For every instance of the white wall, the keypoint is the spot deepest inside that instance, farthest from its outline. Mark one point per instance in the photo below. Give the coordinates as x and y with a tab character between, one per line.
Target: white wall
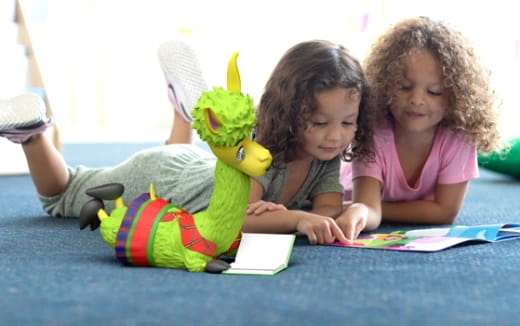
99	58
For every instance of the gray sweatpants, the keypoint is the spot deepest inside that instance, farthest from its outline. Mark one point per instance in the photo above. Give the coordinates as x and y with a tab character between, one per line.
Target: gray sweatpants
181	174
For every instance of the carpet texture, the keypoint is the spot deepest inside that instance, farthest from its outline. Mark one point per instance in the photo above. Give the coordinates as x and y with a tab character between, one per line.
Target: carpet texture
51	273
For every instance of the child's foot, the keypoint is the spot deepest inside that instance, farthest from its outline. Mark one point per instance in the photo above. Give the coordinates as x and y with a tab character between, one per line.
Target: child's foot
183	75
22	117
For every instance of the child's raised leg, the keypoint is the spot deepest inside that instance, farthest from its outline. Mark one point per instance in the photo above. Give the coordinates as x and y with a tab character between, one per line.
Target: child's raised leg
185	84
23	121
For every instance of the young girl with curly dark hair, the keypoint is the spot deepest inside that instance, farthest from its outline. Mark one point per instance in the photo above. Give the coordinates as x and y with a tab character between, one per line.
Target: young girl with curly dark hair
309	114
431	108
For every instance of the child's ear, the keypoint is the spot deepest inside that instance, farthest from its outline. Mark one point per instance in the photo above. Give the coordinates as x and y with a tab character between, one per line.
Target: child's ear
212	120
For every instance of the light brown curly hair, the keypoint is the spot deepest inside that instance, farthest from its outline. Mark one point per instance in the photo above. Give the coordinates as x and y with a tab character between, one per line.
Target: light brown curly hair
472	103
289	95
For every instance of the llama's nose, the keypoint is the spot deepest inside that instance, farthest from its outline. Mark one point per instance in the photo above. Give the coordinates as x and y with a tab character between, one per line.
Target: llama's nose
265	157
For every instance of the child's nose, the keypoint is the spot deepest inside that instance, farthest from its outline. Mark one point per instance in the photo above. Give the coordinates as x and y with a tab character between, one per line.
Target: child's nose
417	98
334	133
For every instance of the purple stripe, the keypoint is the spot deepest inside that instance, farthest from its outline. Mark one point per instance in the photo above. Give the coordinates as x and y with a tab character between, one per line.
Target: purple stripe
122	234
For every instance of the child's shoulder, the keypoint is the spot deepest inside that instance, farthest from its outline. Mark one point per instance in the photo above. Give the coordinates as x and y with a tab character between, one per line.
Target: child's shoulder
446	135
449	141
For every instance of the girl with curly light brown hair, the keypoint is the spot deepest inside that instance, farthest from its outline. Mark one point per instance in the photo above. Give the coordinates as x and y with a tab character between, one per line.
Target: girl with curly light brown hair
431	107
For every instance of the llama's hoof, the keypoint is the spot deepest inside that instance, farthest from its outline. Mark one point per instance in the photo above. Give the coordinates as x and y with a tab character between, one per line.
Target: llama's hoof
110	191
217	266
88	214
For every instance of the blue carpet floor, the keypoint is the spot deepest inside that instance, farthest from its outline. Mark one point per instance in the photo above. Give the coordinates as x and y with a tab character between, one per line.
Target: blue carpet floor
51	273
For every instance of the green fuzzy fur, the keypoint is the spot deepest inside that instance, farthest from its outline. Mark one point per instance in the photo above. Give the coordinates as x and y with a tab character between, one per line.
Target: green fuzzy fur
238	123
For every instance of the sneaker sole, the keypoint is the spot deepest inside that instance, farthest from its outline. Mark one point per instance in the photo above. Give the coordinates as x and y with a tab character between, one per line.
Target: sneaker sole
183	75
25	111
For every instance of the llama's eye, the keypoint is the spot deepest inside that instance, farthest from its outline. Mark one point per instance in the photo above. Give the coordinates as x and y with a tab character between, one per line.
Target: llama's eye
241	154
253	135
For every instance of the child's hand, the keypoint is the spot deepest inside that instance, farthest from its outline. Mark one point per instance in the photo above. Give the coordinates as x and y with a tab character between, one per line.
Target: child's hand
260	206
320	229
352	221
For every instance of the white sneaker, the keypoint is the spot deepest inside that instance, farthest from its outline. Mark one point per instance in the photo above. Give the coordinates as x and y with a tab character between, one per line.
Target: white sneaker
21	117
183	76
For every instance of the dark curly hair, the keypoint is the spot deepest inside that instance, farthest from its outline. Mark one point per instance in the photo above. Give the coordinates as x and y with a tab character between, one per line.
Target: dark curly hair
472	104
289	100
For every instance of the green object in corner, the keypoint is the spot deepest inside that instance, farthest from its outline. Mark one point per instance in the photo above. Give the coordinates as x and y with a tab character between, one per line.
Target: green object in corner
503	162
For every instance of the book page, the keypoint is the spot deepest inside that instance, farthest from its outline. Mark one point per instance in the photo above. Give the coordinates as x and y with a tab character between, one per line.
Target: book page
489	232
261	251
434	232
253	271
402	242
435	239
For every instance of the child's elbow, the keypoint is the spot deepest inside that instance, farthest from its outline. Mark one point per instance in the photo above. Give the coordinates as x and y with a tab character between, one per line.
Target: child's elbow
445	220
450	219
448	216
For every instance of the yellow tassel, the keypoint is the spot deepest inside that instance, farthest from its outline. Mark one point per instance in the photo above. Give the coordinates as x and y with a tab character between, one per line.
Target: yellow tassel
102	214
119	202
152	192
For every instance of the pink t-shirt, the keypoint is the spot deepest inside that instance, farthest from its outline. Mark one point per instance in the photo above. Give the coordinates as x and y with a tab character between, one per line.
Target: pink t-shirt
451	160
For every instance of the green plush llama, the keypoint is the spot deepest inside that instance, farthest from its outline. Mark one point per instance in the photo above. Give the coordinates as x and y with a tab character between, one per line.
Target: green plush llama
154	232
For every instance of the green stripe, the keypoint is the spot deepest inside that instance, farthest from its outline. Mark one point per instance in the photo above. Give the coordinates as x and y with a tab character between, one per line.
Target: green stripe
158	218
132	228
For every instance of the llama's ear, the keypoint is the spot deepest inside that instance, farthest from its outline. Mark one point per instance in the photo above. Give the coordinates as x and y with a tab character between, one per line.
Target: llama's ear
212	120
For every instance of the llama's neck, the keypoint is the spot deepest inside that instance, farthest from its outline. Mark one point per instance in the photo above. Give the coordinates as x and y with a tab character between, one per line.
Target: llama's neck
227	207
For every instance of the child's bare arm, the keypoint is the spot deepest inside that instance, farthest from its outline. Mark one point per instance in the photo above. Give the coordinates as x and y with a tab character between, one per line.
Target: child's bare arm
327	204
442	210
364	213
260	206
318	229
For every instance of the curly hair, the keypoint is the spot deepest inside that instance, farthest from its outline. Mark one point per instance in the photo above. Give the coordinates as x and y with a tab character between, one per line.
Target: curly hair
289	99
472	103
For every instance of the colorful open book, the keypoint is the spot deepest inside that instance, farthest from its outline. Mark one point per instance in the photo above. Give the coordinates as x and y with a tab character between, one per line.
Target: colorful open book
435	239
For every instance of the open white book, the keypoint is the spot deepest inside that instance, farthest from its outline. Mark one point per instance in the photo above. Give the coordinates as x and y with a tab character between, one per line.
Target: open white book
262	254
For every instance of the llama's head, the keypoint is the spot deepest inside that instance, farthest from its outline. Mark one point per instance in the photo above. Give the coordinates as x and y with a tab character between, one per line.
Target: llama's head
225	120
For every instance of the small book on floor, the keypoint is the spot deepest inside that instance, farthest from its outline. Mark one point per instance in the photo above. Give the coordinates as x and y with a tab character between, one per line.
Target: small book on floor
435	239
262	254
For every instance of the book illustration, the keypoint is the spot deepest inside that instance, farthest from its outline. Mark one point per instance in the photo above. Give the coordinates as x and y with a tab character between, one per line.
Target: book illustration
435	239
262	254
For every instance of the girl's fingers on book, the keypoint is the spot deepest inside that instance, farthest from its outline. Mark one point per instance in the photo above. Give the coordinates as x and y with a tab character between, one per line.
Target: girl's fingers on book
339	235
